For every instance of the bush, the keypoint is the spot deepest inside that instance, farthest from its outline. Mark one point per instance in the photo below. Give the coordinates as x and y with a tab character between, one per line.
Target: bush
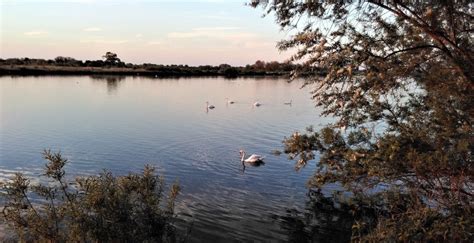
398	81
102	208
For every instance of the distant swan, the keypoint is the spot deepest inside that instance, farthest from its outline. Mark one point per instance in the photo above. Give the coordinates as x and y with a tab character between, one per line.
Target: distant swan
288	103
209	106
257	104
254	158
229	101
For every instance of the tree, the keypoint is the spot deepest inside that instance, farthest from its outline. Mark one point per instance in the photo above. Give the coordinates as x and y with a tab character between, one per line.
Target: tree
111	58
67	61
399	82
259	65
101	208
227	70
272	66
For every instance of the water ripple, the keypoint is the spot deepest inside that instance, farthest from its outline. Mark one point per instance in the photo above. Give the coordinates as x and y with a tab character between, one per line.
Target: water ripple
164	123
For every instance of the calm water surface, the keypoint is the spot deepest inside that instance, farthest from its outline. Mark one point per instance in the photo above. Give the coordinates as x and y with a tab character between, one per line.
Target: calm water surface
120	124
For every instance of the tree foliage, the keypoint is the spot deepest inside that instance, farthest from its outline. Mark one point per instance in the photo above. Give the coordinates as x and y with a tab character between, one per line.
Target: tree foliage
101	208
111	58
66	61
400	83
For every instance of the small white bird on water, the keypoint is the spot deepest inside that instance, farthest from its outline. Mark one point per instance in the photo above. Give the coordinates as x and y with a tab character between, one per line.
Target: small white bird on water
230	101
257	104
209	106
254	158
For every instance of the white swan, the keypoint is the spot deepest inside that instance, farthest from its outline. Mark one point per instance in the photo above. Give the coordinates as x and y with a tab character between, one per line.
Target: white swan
254	158
257	104
209	106
230	101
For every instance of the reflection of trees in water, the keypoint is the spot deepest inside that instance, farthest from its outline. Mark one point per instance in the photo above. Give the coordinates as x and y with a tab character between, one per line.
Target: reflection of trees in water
112	81
323	220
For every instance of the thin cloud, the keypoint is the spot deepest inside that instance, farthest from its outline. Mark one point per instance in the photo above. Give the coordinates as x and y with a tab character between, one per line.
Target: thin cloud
103	41
154	43
92	29
139	36
216	28
227	36
217	34
219	16
36	33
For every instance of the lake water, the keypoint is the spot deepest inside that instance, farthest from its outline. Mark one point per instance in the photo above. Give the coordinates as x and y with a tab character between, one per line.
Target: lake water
122	123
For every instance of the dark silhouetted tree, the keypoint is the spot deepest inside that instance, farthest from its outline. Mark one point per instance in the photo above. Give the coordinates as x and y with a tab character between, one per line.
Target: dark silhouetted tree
259	65
399	82
111	58
67	61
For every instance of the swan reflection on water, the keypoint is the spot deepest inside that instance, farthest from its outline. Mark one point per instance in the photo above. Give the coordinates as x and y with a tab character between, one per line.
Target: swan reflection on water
254	164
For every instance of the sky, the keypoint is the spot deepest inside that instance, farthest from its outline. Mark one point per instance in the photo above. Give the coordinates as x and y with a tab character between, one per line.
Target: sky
197	32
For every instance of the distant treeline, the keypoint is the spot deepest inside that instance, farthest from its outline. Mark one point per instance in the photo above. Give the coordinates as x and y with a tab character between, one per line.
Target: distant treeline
113	65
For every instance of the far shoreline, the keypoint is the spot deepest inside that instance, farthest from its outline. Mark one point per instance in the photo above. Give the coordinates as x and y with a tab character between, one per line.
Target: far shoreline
112	65
26	70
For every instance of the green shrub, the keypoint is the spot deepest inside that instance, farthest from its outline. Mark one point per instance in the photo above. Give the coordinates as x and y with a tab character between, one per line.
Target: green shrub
102	208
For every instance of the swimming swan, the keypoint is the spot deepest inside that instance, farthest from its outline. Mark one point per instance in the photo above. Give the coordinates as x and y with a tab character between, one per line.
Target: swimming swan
209	106
254	158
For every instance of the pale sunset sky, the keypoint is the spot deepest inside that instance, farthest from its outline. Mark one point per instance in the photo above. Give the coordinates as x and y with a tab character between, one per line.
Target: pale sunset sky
140	31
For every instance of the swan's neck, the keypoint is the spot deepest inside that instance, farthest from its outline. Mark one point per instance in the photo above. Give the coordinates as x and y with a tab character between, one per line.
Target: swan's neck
243	156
